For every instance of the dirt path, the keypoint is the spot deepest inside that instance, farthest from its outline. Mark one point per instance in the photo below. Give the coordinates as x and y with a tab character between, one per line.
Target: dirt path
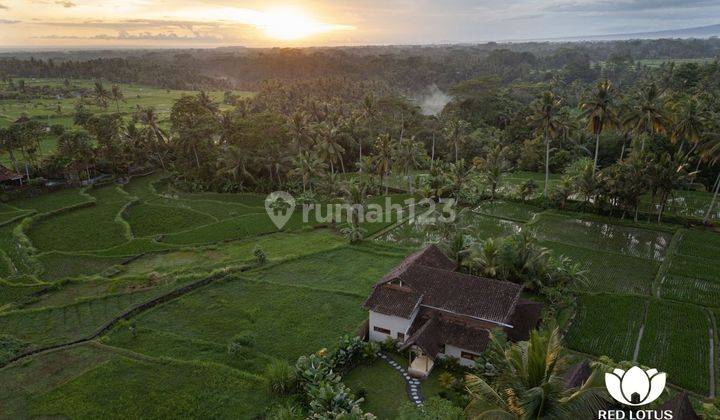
636	353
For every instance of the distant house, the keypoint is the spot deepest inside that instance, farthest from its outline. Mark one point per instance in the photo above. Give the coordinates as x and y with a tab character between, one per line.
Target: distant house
435	312
9	179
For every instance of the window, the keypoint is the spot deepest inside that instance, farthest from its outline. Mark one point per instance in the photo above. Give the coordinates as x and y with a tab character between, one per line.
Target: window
381	330
401	336
469	356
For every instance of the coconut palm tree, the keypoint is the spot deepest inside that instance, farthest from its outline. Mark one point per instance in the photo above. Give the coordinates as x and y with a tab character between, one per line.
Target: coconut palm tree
546	120
408	154
329	148
307	165
299	130
599	110
530	383
236	162
456	131
383	158
492	166
355	196
102	96
648	115
117	96
711	154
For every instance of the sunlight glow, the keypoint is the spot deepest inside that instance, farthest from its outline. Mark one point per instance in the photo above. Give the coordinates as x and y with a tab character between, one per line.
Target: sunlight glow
285	24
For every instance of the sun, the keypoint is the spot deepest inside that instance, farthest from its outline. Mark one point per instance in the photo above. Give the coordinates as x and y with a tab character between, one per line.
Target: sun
290	24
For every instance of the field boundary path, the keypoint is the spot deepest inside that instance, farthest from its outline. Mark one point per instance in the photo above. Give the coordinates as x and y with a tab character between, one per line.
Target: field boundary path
412	385
134	311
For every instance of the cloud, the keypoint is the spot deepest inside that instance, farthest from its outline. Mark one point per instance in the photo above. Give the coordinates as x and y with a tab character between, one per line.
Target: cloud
8	22
66	4
144	36
615	6
3	7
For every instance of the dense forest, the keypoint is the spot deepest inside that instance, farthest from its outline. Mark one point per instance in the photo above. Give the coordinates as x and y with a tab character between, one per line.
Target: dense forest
406	68
618	129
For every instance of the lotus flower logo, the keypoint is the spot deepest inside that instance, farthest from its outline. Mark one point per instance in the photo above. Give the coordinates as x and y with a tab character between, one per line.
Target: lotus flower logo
636	386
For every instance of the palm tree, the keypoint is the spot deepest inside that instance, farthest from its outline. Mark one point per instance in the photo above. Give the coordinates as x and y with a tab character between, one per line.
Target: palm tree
530	383
408	154
599	110
299	130
648	115
711	154
102	96
546	120
308	165
353	128
117	96
329	147
456	131
236	162
492	167
8	144
355	196
383	158
158	140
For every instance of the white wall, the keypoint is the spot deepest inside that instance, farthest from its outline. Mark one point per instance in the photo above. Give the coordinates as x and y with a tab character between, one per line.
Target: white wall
393	323
452	351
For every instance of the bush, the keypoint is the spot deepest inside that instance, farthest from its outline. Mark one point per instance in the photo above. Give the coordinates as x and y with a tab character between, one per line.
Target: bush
260	255
280	378
370	351
389	345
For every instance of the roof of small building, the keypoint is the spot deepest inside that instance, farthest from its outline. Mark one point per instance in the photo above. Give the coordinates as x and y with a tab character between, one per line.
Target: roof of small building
578	374
426	279
8	175
431	331
681	407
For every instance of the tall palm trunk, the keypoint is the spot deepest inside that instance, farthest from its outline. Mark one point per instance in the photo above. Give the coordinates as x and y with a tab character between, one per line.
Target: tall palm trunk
597	151
432	153
714	200
360	160
547	162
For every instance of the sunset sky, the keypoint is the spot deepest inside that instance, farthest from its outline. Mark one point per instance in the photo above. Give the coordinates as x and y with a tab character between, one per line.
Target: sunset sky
203	23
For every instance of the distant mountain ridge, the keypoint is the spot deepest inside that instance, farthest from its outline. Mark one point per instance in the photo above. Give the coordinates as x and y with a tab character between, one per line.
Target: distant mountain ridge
696	32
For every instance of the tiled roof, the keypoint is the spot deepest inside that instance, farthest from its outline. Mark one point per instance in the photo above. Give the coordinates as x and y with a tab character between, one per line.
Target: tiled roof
681	407
525	318
431	330
430	256
427	279
578	374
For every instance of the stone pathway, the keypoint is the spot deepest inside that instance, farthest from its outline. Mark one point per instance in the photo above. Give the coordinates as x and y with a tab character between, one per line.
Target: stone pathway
412	385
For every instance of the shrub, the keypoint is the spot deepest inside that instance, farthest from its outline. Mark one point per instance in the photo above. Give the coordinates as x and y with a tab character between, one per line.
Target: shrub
370	351
280	378
389	345
260	256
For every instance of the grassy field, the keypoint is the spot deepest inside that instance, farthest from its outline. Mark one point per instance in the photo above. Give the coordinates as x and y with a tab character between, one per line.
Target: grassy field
61	111
66	273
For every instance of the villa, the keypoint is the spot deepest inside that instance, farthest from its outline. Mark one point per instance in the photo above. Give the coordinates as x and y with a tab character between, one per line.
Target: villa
434	311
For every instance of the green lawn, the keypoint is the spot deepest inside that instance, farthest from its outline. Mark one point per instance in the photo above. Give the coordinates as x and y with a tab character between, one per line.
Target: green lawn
383	386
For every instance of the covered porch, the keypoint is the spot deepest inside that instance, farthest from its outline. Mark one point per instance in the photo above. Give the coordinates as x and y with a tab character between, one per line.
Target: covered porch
421	364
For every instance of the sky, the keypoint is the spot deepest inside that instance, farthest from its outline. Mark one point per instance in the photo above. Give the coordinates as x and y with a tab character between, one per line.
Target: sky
205	23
